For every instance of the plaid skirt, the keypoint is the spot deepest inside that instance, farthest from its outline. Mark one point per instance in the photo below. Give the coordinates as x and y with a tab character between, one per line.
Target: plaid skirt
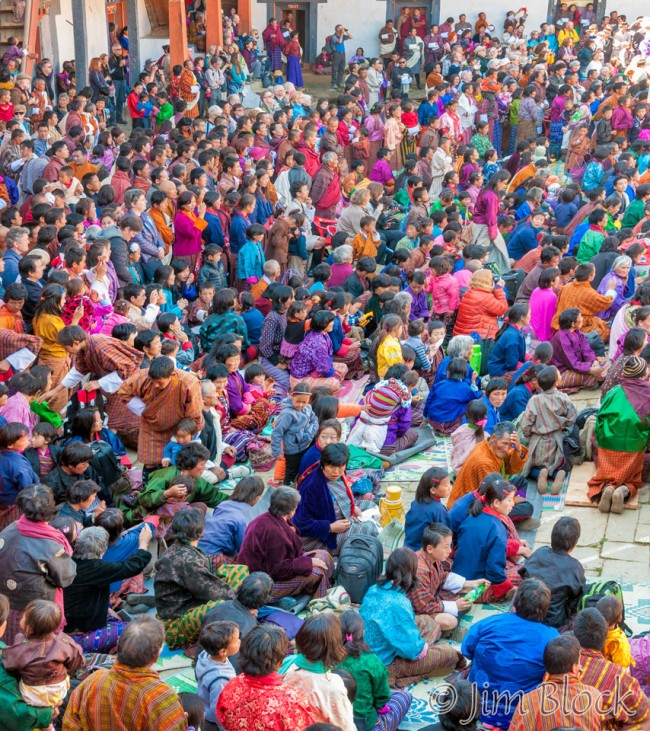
333	382
616	468
8	514
512	575
185	630
100	640
397	708
256	419
573	379
446	427
60	368
440	659
317	583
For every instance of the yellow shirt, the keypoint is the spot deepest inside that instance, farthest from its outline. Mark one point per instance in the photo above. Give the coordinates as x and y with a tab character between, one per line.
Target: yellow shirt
617	648
47	327
388	353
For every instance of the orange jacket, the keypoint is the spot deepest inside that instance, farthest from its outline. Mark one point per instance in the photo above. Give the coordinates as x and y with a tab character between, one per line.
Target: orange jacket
478	312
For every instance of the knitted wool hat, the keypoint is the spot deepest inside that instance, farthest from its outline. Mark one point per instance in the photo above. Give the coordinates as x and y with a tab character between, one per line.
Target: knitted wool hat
385	399
634	367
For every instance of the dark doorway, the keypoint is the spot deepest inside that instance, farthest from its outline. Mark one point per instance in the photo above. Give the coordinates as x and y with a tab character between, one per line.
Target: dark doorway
298	13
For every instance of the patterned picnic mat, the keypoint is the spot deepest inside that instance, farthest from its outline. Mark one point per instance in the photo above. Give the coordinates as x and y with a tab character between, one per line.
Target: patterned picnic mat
438	455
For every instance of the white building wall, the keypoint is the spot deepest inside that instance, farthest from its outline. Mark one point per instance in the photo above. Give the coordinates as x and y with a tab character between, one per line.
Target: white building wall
97	41
258	16
61	28
363	18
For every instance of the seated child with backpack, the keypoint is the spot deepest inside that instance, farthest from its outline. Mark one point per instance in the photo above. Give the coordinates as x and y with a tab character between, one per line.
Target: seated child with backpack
563	574
549	417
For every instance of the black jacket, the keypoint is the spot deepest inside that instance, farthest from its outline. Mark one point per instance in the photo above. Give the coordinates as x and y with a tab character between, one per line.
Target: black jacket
564	576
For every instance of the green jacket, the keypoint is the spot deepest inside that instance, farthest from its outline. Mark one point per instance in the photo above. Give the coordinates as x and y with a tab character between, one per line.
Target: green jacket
589	245
152	497
618	427
373	691
634	213
16	714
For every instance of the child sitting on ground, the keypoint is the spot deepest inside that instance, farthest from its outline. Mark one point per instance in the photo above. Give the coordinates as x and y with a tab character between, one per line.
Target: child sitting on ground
186	431
386	350
371	428
617	646
563	574
15	470
444	290
495	394
426	507
548	419
218	641
468	434
200	308
43	656
260	384
436	579
78	498
447	402
367	241
373	693
294	333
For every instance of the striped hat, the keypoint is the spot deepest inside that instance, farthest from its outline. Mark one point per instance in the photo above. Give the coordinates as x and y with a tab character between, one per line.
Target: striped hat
386	398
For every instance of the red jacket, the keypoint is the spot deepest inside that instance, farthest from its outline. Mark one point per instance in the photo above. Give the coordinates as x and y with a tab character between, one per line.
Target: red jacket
132	102
478	312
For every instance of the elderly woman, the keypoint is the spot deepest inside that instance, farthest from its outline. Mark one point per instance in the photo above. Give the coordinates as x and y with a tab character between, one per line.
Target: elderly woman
350	219
573	355
35	558
622	435
257	699
406	644
481	306
185	586
616	281
507	651
271	544
87	598
342	268
328	513
460	346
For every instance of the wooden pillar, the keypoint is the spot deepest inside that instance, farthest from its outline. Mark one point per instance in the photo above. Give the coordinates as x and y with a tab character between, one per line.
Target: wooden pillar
245	16
30	39
213	24
178	50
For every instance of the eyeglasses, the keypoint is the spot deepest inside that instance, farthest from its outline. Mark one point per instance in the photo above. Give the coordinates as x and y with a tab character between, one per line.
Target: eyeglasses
19	114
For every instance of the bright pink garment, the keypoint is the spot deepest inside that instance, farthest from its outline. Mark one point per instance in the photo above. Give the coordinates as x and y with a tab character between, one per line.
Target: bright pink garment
543	303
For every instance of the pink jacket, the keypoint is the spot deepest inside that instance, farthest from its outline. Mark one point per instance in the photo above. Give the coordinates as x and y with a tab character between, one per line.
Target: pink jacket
445	293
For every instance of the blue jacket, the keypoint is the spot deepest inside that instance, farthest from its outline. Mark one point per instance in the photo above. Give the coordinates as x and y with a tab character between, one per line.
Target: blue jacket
238	228
441	372
425	112
10	274
481	549
448	400
564	212
522	240
508	352
225	528
389	622
459	510
593	176
493	415
123	547
16	473
507	654
213	233
315	512
580	231
515	403
254	320
250	260
419	516
337	335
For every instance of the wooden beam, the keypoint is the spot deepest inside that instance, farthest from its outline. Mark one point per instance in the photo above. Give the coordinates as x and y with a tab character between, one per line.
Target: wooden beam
178	49
213	24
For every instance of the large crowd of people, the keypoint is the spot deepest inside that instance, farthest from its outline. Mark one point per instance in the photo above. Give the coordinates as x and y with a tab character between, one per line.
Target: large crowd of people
209	269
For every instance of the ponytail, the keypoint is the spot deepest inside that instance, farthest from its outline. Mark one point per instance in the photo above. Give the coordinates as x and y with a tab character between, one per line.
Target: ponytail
498	490
514	315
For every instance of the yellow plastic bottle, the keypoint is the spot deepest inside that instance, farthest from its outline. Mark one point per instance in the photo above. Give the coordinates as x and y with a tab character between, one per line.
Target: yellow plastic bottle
391	506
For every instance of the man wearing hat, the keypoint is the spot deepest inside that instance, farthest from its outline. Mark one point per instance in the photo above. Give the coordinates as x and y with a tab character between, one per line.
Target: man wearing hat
622	433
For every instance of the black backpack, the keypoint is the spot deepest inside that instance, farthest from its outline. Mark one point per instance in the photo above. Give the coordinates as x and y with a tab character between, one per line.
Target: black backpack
360	564
599	589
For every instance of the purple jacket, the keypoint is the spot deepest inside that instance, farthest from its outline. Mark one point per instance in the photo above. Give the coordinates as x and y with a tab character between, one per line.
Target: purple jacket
381	172
314	354
419	307
622	293
236	389
571	351
486	211
399	424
